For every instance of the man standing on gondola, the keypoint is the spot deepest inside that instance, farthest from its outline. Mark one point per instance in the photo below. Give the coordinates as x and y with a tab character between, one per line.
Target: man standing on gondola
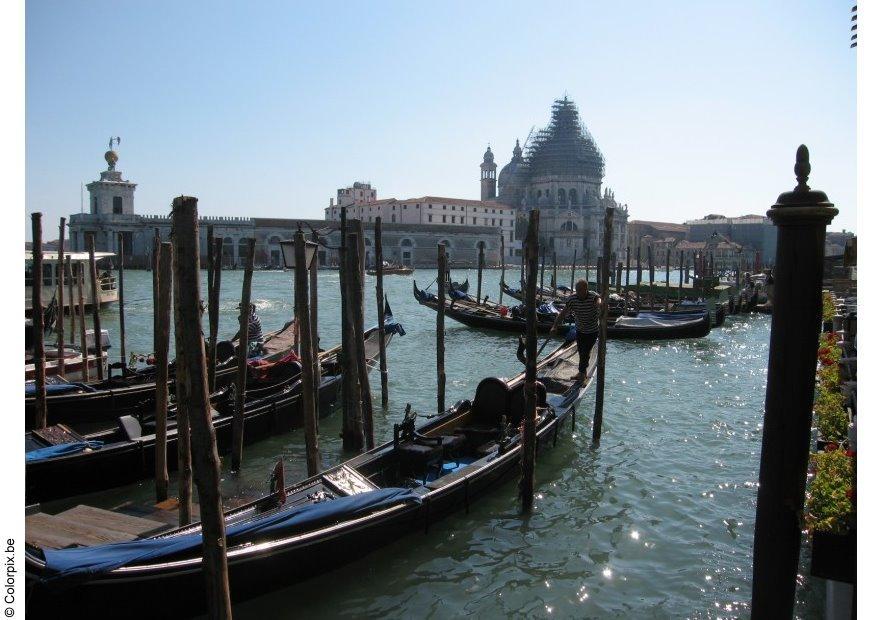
584	305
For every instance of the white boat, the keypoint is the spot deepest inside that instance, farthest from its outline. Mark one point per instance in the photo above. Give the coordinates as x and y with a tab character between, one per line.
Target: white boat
73	366
108	292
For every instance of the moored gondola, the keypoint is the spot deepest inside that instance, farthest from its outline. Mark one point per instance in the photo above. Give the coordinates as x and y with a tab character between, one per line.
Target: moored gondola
126	453
328	520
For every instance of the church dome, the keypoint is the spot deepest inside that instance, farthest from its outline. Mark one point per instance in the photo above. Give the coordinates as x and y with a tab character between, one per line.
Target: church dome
488	156
513	178
565	147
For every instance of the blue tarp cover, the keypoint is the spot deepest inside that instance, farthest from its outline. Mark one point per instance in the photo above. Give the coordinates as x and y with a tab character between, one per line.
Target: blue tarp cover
454	294
85	562
62	449
57	388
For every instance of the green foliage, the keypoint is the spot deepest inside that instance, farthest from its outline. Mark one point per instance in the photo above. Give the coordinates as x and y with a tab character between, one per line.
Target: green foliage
830	416
828	378
829	309
830	503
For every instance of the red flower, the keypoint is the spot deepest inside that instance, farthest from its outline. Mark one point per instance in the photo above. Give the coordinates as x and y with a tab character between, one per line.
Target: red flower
832	446
851	494
827	361
850	453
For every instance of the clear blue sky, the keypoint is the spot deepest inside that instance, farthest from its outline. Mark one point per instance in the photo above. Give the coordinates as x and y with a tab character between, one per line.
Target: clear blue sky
264	109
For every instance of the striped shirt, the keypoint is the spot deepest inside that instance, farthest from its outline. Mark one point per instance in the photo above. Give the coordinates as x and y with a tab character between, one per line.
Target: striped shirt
255	334
585	311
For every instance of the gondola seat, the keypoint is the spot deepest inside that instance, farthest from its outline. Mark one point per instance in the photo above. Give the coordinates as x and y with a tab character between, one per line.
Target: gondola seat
518	401
491	403
130	428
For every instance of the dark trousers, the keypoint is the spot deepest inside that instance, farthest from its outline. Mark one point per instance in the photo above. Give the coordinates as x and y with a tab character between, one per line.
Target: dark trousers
584	346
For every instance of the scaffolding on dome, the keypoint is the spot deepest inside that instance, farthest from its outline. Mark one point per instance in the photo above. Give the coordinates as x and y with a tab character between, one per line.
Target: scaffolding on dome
565	146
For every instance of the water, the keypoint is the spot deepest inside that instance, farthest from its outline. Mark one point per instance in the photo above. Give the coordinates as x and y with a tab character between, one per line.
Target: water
656	523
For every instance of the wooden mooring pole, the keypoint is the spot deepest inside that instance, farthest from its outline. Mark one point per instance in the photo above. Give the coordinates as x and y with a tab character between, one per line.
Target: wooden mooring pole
680	278
573	268
555	282
381	313
95	305
183	425
121	298
353	438
638	276
442	294
211	341
205	458
586	260
242	355
313	272
529	439
352	358
501	286
59	325
801	217
603	333
39	351
543	263
667	276
156	251
71	300
80	296
480	259
618	280
628	265
355	303
309	363
165	282
213	307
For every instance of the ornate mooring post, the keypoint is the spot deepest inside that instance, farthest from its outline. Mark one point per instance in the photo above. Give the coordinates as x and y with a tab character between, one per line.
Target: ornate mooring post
801	217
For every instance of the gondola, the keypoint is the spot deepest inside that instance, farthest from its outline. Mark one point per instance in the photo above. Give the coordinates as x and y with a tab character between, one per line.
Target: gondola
347	511
126	453
96	403
546	294
667	326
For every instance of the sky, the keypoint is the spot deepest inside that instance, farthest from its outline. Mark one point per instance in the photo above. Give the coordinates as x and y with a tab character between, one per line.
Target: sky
265	109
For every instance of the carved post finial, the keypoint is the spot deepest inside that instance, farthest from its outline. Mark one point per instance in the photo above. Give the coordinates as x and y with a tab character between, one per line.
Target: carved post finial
802	168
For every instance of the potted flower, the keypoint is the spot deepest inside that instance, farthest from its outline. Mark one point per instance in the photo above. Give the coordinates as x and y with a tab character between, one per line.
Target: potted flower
830	418
831	515
829	311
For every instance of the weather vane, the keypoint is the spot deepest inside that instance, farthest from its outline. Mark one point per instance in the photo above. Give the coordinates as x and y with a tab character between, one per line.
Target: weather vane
115	139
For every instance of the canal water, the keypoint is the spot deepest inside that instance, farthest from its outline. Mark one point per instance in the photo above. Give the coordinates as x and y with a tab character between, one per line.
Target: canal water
656	523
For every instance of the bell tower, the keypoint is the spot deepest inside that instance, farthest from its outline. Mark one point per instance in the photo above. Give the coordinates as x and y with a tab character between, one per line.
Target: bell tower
487	175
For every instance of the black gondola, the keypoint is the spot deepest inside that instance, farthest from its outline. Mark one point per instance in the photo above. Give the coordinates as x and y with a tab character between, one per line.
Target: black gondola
490	316
328	520
126	453
134	394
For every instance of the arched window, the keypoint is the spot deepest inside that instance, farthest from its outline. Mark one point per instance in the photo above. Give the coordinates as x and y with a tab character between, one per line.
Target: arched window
228	247
481	244
572	196
568	226
446	243
539	193
561	196
242	249
406	243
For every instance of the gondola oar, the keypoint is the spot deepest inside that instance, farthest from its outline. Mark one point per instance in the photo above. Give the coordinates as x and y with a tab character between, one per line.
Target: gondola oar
521	347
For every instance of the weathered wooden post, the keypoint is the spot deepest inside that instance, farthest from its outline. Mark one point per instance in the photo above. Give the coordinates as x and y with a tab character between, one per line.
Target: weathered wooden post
95	305
628	265
618	280
242	355
442	294
667	276
156	252
586	259
352	357
36	301
680	278
603	333
543	262
165	282
801	217
196	399
59	326
358	343
638	276
479	271
555	282
314	325
501	286
381	313
308	361
80	280
529	440
213	307
573	267
353	439
183	425
211	346
121	297
71	300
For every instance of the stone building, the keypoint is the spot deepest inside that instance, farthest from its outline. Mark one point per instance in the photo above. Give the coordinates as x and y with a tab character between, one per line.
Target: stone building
639	231
751	231
360	200
112	213
560	171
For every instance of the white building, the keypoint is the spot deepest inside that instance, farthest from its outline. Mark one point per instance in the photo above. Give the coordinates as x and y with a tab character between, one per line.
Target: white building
361	202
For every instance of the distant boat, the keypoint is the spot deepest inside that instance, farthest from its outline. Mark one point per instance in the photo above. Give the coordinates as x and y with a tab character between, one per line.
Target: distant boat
107	294
392	270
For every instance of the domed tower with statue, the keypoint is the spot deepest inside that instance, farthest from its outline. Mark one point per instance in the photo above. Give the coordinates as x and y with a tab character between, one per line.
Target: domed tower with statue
560	170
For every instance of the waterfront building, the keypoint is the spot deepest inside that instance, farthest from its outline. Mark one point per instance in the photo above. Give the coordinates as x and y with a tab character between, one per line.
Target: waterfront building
360	200
638	230
751	231
111	212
